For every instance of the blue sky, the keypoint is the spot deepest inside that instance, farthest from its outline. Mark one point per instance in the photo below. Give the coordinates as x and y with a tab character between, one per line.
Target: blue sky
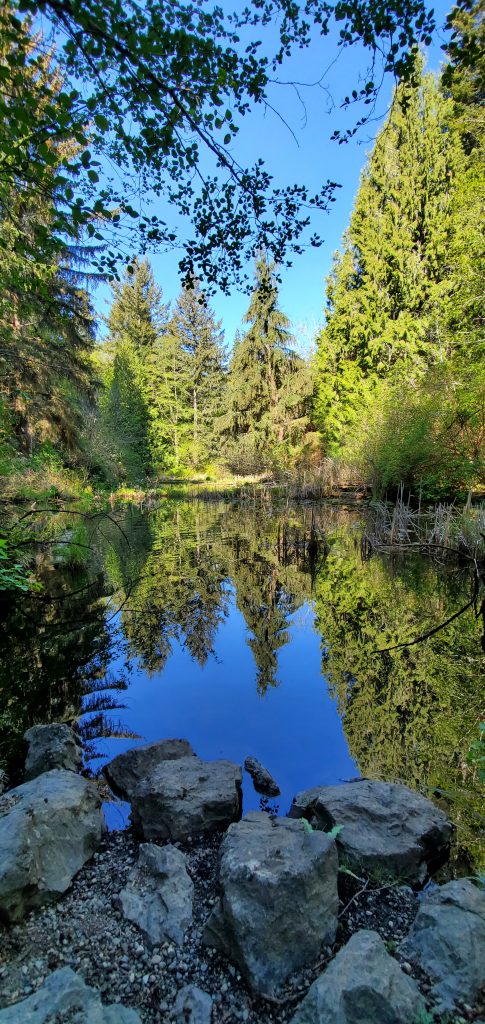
308	155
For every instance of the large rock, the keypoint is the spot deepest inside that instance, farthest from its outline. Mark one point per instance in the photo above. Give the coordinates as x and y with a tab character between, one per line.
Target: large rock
187	797
52	746
159	893
387	830
279	898
362	985
192	1006
49	827
447	941
125	772
263	781
63	997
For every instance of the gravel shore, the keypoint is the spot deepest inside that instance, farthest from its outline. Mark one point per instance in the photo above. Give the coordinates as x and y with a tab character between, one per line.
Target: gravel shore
86	932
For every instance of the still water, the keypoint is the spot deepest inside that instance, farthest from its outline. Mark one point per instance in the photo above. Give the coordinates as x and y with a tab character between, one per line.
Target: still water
213	621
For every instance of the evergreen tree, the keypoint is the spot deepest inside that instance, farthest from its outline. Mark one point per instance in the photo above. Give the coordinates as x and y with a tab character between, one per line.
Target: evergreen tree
269	388
185	379
138	312
388	282
137	318
46	321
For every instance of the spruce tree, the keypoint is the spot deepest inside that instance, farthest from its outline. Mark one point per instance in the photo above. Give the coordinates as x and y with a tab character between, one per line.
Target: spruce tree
185	378
387	283
269	388
137	318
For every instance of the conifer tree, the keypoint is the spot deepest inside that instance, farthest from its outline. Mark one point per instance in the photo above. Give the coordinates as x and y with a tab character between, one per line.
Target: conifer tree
185	379
387	283
268	390
137	318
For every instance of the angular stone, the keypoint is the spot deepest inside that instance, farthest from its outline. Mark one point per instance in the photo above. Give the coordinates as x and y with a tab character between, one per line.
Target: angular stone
192	1006
159	893
49	828
279	898
447	941
362	985
263	781
187	797
64	996
126	771
387	829
52	746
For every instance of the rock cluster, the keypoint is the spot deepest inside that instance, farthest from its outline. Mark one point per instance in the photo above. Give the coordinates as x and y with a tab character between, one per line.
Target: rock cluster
261	923
385	829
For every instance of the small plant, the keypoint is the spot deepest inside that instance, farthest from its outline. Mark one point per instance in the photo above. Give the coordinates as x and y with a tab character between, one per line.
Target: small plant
476	753
13	575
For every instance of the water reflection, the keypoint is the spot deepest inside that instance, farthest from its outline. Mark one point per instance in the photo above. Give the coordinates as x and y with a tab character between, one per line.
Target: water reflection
228	625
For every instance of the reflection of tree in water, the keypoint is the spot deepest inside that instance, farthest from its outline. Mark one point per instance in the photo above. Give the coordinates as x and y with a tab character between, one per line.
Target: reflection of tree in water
54	656
179	593
409	714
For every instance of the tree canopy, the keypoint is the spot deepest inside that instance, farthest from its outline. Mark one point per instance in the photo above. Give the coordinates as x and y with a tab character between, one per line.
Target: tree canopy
153	96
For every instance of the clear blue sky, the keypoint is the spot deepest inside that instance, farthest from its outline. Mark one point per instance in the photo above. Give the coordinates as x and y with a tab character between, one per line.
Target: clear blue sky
311	158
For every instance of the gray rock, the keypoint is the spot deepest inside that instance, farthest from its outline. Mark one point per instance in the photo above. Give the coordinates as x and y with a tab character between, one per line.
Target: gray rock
159	893
362	985
187	797
388	830
125	772
192	1006
49	827
263	781
279	898
52	746
447	941
64	996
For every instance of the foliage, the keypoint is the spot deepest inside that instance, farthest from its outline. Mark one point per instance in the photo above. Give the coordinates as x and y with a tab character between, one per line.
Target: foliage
400	385
476	753
270	387
185	378
13	575
164	89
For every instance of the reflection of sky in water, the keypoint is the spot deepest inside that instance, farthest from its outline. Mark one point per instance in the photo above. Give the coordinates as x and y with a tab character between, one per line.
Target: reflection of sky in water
294	729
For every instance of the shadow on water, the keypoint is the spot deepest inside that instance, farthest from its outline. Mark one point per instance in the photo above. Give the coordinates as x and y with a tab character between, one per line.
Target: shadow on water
255	631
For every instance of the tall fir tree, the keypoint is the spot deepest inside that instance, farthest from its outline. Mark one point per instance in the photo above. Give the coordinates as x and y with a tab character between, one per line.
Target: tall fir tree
269	385
137	319
186	372
388	281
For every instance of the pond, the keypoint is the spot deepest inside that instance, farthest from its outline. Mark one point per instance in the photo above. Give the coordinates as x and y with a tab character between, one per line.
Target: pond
221	623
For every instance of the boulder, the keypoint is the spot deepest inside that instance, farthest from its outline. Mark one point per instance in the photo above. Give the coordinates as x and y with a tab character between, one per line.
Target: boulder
158	895
49	828
387	829
263	781
125	772
362	985
279	898
187	797
52	746
447	941
64	996
192	1006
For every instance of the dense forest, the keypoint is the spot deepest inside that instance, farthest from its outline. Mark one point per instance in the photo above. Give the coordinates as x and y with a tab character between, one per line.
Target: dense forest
394	391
